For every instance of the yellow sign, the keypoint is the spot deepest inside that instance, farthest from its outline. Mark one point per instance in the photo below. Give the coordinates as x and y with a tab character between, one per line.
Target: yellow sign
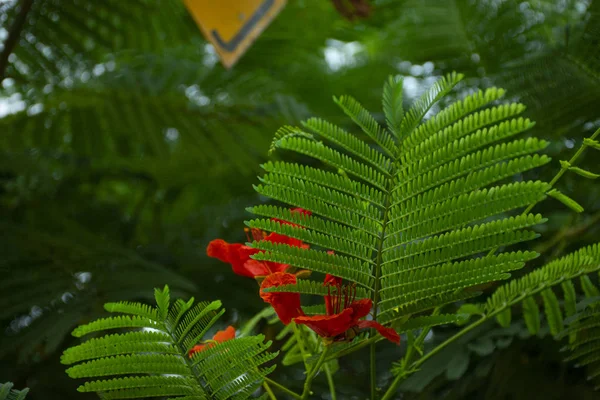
232	25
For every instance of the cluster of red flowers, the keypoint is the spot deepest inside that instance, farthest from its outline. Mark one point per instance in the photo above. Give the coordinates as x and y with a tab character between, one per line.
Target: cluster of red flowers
343	311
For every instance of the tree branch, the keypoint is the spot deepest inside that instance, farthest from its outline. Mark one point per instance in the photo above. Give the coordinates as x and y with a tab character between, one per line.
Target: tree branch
13	35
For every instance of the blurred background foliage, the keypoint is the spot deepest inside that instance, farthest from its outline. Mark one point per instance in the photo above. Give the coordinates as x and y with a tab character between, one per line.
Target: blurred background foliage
125	147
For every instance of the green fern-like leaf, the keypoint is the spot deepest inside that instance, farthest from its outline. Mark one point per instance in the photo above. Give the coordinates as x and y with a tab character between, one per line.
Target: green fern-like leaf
584	339
154	361
47	265
409	210
311	287
392	104
531	315
418	110
541	281
553	312
8	393
432	320
589	289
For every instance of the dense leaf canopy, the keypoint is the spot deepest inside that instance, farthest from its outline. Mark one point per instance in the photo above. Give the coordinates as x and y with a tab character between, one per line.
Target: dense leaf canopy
125	147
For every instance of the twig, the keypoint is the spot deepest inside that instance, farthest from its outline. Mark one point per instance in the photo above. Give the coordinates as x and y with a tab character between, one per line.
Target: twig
282	388
269	391
313	372
564	168
13	35
560	173
330	381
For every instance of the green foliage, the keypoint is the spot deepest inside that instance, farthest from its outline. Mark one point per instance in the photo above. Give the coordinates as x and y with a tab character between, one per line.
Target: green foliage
583	348
567	166
579	171
457	358
68	275
480	39
154	360
536	292
431	321
8	393
117	81
566	200
115	126
540	281
592	143
408	217
417	111
392	104
66	29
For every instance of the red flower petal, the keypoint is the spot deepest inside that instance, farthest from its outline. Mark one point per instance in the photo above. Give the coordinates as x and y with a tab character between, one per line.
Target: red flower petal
328	325
237	255
197	348
331	280
225	335
254	268
286	305
293	210
276	267
219	337
387	333
301	211
361	308
277	238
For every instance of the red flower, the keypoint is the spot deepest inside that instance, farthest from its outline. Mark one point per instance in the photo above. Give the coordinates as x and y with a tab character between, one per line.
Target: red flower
219	337
238	255
331	280
294	210
286	305
343	314
282	239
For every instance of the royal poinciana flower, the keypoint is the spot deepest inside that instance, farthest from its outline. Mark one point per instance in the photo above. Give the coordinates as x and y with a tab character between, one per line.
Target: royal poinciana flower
286	305
238	255
219	337
294	210
343	313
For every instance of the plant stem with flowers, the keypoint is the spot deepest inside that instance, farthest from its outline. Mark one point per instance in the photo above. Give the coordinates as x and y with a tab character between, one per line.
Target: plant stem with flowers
344	312
400	239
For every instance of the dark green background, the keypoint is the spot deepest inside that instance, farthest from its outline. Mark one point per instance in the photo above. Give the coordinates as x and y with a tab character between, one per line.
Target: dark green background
128	148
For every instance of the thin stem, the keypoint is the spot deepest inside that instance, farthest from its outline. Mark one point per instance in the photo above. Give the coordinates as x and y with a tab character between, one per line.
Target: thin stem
560	173
330	382
377	267
359	346
13	35
300	340
421	338
283	388
396	382
373	363
564	169
269	391
313	372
